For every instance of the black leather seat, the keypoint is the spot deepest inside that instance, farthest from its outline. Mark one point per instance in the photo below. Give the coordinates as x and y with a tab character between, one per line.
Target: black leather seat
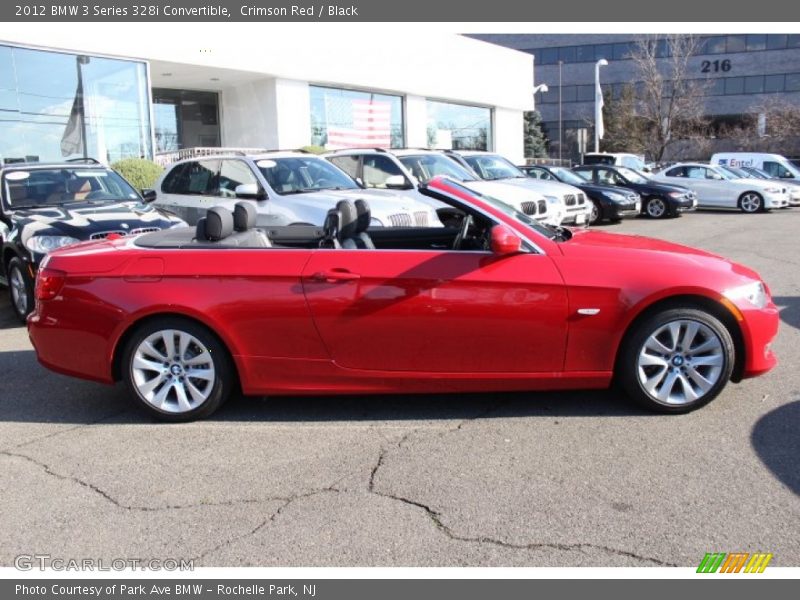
330	230
348	226
363	219
215	226
244	223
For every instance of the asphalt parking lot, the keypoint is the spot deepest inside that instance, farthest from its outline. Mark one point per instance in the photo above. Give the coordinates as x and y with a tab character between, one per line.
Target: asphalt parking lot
545	479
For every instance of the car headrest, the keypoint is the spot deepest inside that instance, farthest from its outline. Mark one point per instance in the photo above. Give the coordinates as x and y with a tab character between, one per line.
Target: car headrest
219	223
244	216
363	215
330	227
200	230
348	224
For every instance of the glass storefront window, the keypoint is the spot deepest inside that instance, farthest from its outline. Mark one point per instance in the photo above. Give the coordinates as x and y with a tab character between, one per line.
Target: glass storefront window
56	106
351	119
458	126
185	119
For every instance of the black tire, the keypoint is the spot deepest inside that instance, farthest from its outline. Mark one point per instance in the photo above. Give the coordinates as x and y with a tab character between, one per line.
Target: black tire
217	391
20	288
596	216
751	202
629	372
656	207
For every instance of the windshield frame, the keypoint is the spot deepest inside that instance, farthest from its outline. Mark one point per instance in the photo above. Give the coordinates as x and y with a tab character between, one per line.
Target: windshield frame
118	180
347	182
625	172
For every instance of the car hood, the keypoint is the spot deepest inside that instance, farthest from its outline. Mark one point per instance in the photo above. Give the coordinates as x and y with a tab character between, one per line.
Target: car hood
599	188
658	254
549	188
381	202
81	220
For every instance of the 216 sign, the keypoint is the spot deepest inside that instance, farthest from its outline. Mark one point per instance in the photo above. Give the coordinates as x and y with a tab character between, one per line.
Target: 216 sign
715	66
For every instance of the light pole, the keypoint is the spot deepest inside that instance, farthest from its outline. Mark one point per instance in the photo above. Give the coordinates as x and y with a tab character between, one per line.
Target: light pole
598	104
542	87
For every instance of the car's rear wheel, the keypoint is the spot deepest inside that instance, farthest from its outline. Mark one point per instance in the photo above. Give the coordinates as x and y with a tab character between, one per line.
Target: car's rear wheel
177	370
656	208
676	360
751	202
20	288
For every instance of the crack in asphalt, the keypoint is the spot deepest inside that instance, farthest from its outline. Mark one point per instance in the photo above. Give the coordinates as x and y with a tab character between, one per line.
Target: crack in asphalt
67	430
436	517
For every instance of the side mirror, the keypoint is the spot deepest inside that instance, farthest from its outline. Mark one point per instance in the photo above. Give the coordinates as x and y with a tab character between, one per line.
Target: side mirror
149	195
397	182
250	191
505	241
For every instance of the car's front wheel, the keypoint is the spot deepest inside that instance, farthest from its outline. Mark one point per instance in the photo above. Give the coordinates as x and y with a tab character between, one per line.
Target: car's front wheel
20	288
177	370
676	360
656	208
751	202
596	215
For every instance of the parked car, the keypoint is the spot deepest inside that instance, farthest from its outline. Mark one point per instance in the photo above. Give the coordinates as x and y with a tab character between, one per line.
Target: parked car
408	170
287	187
617	159
659	200
568	199
501	302
44	206
774	165
608	202
792	188
717	188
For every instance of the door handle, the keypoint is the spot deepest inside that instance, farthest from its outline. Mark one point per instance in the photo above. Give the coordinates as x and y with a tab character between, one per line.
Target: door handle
335	276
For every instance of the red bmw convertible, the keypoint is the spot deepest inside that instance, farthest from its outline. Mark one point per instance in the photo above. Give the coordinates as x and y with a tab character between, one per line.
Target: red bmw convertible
493	301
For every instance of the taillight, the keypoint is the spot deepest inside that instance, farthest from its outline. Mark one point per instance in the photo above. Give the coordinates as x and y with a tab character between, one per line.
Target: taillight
49	283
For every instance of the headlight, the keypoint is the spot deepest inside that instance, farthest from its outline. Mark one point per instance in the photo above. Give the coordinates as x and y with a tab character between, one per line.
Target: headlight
373	222
772	190
677	194
47	243
615	197
755	293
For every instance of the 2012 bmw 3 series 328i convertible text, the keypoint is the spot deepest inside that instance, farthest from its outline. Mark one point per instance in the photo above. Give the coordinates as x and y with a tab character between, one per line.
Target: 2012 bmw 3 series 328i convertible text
494	301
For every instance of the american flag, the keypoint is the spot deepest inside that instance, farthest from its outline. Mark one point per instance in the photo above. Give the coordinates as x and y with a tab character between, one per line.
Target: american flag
357	123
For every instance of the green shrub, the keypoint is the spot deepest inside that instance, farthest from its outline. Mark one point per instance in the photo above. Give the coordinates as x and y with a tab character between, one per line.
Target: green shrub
140	173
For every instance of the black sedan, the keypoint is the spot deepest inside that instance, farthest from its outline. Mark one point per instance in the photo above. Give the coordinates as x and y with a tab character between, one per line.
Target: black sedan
659	200
608	202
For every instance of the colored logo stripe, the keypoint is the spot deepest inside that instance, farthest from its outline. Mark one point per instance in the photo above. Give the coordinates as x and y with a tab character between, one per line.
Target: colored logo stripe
733	563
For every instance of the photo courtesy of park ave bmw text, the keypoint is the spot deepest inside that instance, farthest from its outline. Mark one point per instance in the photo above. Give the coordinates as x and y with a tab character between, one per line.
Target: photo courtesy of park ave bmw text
309	300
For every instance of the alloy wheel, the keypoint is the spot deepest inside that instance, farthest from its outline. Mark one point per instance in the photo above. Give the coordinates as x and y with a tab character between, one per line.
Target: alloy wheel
750	203
19	291
595	214
680	362
173	371
656	208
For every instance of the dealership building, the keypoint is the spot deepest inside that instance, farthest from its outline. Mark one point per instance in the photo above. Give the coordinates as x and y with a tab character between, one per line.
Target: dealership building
100	90
743	72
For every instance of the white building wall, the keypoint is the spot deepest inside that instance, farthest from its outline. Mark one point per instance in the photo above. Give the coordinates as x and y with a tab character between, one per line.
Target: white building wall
508	124
416	122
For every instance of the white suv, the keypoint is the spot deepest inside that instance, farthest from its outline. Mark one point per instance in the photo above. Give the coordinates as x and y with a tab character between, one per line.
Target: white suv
405	170
288	188
562	198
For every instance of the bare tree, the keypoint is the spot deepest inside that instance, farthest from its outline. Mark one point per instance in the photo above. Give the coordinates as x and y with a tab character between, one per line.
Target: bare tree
669	102
771	125
624	131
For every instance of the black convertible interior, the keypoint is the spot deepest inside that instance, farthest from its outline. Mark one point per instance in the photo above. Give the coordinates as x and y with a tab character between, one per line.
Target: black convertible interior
345	227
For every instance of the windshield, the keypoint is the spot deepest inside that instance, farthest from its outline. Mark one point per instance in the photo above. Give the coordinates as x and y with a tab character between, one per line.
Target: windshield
38	187
567	176
756	173
426	166
491	167
303	174
733	172
632	176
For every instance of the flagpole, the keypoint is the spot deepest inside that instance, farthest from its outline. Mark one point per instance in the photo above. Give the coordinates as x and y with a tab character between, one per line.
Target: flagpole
80	61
